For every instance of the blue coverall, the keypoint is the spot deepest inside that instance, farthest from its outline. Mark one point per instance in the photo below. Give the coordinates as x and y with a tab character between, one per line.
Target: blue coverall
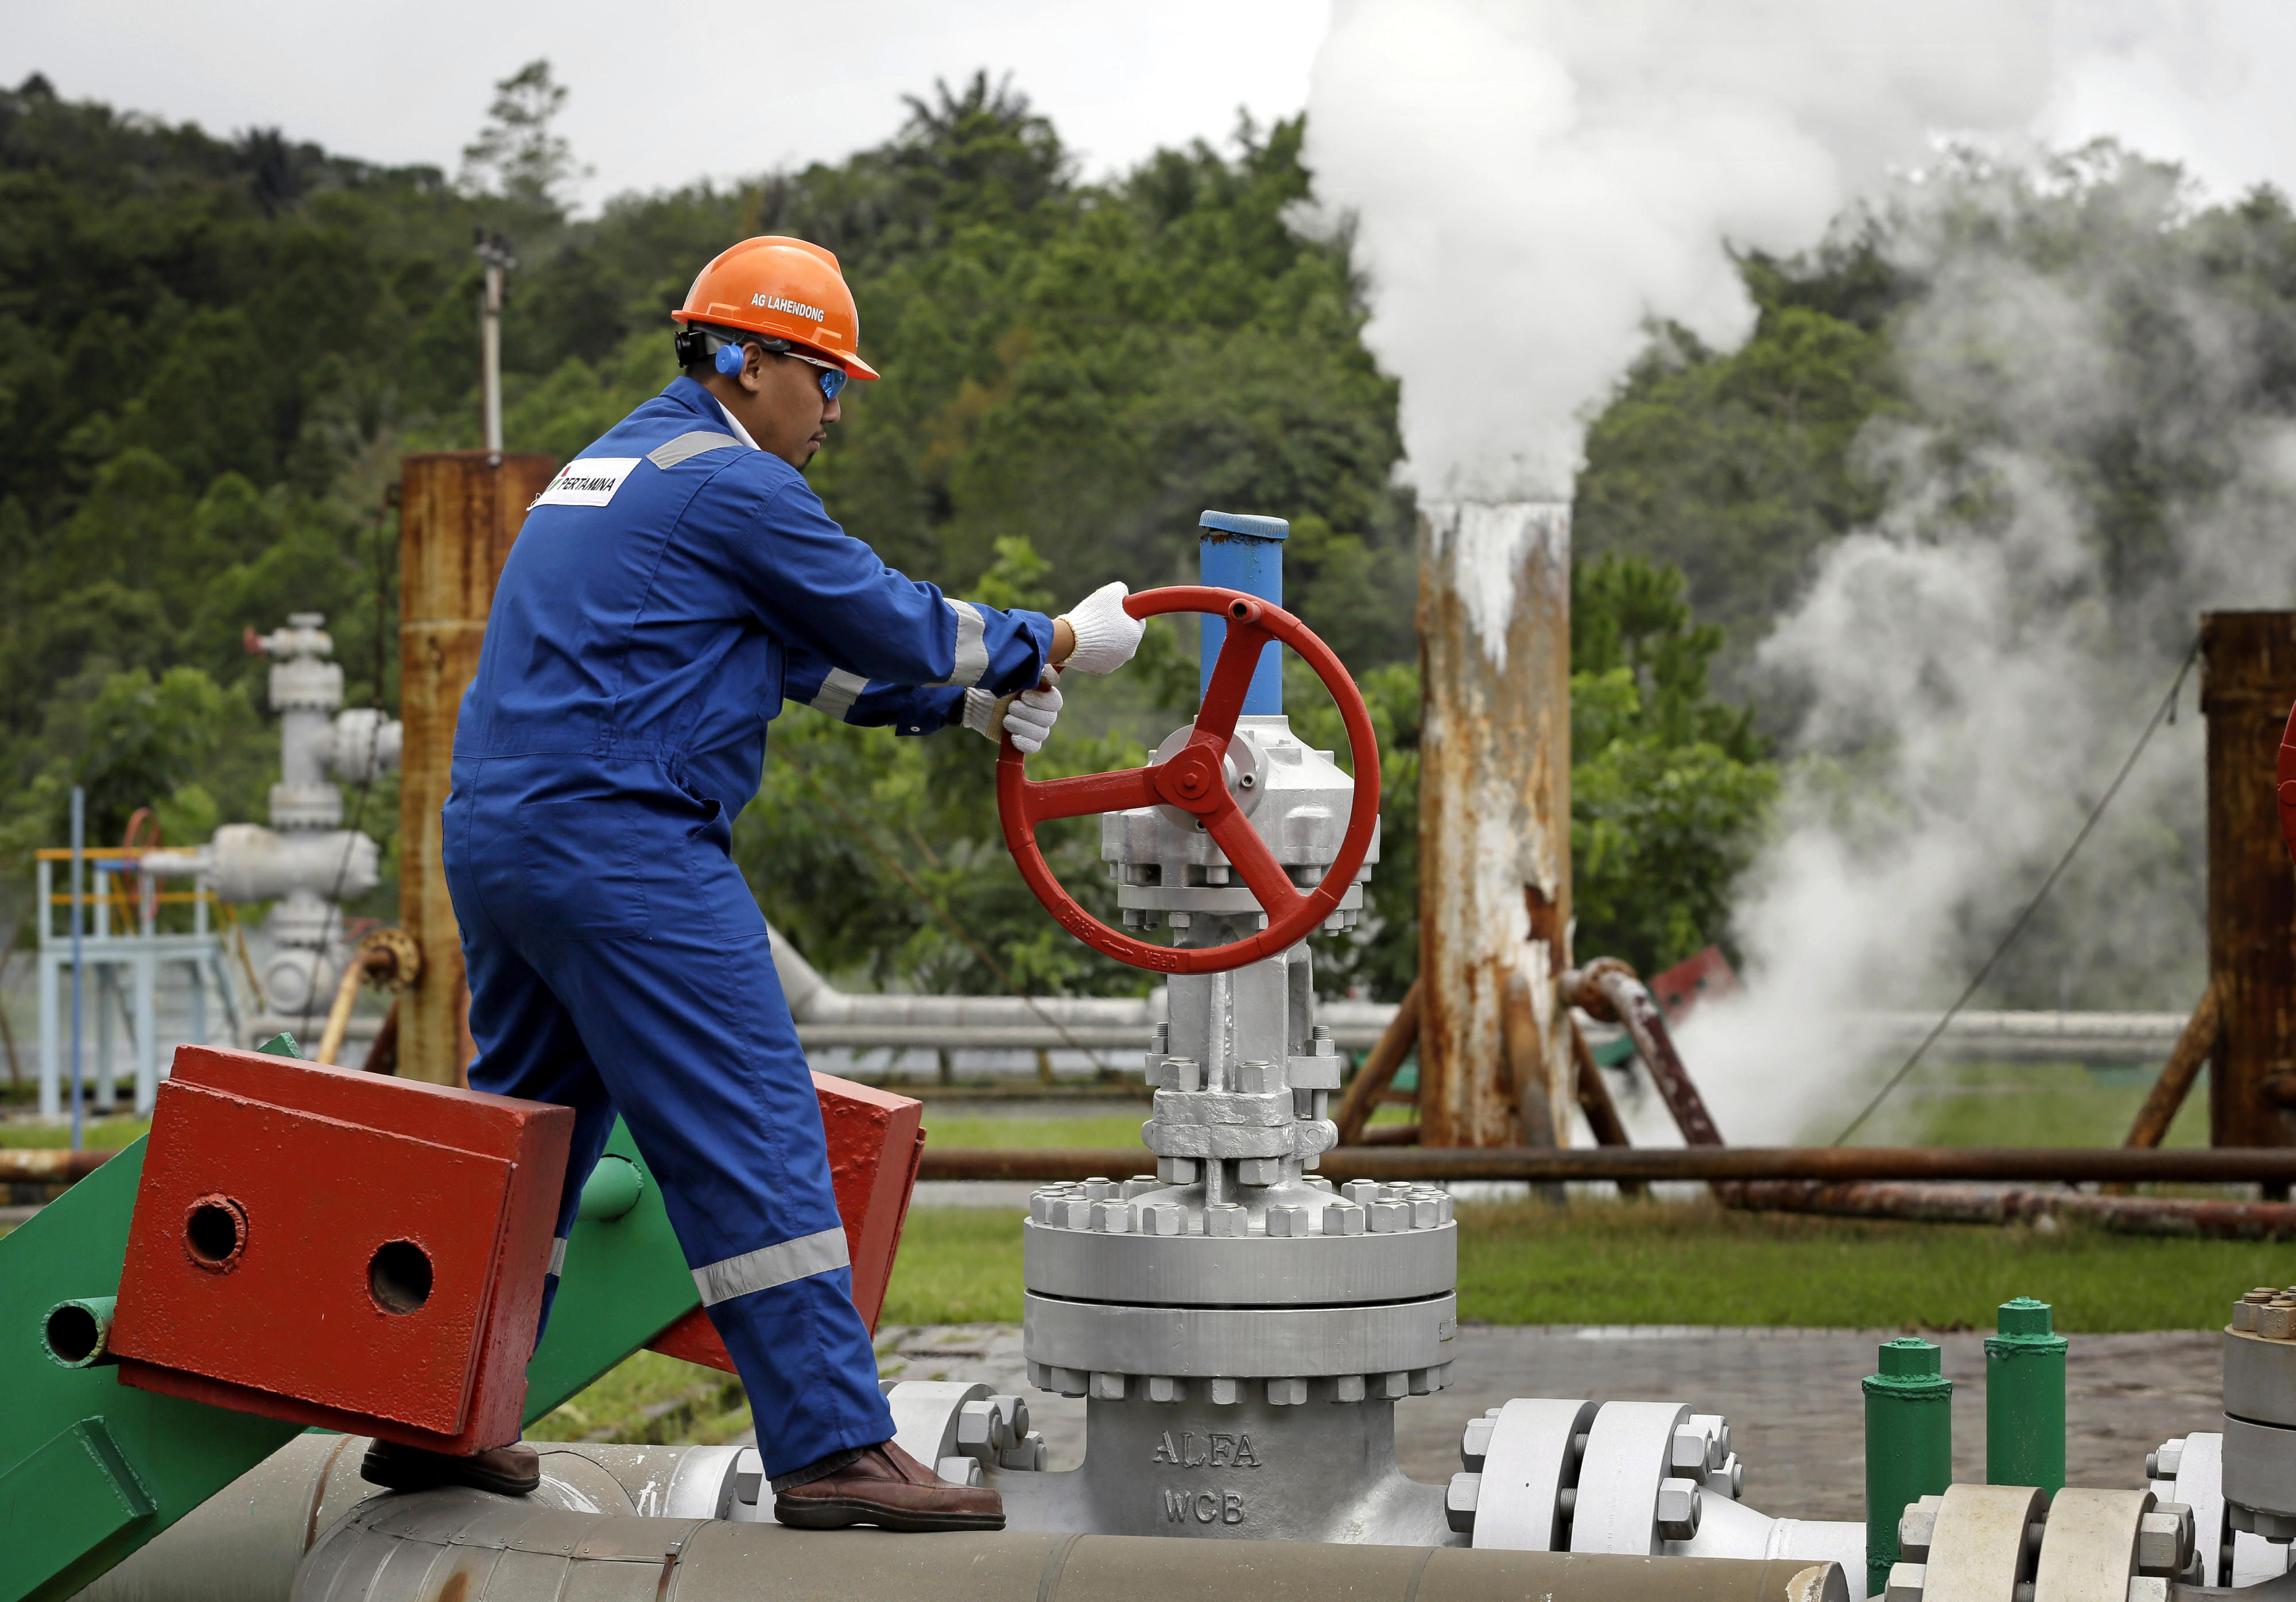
664	596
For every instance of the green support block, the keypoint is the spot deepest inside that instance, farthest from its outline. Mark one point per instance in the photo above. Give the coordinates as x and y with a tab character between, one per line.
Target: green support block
2025	1398
177	1453
625	1281
1908	1445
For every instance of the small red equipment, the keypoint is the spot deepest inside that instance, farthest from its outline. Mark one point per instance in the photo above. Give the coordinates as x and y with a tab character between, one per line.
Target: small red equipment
1194	779
340	1248
876	1139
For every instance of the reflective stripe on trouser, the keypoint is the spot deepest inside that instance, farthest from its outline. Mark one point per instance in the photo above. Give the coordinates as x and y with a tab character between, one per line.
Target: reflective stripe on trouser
657	998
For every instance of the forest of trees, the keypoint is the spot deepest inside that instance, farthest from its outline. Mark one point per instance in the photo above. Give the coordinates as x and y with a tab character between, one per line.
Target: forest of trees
213	352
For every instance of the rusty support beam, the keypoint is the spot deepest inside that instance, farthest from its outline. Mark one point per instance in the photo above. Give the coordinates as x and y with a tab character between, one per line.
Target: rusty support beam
2194	1047
1379	1069
1974	1205
2248	680
458	514
1601	1112
1608	990
1494	811
1540	1165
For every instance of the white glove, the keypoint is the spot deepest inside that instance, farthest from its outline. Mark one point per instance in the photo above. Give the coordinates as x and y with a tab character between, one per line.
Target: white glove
1027	717
1106	635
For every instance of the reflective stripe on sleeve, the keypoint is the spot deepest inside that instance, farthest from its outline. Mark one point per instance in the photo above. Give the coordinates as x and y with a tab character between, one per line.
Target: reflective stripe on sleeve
971	645
686	446
762	1270
557	1256
838	693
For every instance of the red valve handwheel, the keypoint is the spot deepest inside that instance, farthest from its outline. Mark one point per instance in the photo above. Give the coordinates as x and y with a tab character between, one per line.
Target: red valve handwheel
1193	779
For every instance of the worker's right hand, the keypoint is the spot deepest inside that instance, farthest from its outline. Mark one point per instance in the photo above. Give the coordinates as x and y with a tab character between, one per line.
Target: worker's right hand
1106	635
1027	717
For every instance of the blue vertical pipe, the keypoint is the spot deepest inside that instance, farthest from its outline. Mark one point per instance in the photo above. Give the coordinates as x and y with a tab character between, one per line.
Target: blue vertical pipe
1244	552
78	858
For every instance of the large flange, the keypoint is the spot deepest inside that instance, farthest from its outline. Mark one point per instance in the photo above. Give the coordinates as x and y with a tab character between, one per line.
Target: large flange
1239	1342
1251	1270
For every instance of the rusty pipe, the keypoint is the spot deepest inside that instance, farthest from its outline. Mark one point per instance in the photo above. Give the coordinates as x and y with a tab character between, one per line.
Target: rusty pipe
2181	1216
1607	990
50	1164
2230	1165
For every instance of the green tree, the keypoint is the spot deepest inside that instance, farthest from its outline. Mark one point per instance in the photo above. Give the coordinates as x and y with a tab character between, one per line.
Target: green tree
519	153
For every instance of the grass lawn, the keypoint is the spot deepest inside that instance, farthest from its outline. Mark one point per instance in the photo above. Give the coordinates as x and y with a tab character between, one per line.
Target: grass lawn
1629	1262
100	1133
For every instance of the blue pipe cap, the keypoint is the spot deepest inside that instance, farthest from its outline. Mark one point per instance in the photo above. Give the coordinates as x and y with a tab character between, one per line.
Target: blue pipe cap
1245	524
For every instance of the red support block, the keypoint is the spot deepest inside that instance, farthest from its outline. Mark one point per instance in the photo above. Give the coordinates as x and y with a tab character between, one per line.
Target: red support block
876	1139
340	1248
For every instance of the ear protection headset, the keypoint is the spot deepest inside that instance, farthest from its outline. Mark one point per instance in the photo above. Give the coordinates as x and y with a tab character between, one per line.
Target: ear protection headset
730	357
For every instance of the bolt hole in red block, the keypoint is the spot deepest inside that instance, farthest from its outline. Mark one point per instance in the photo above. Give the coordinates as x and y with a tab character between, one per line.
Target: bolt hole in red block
876	1139
340	1248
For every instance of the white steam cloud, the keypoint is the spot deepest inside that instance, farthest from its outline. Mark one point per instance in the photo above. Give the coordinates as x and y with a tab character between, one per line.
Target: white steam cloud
1533	182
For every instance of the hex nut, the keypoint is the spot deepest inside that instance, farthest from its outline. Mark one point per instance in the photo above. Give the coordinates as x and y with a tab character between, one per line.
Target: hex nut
1363	1192
2163	1463
1679	1505
1257	1079
1176	1171
1259	1171
1075	1214
1426	1213
1475	1443
1227	1220
976	1426
1691	1451
1915	1526
1317	1182
1112	1217
1389	1218
1728	1478
1026	1458
1390	1387
1348	1387
1164	1387
1459	1502
1343	1218
2148	1588
1286	1393
1906	1582
1223	1393
1099	1189
959	1470
2164	1541
1163	1217
1107	1387
1140	1185
2275	1320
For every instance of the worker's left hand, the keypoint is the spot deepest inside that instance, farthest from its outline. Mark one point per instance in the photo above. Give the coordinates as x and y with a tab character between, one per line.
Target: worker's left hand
1027	717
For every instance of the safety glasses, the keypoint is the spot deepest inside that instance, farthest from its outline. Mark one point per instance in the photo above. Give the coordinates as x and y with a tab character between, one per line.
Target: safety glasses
833	376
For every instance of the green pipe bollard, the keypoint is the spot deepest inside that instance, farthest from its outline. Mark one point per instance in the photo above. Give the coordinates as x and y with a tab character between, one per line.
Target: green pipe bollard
2025	1399
612	1190
1908	1445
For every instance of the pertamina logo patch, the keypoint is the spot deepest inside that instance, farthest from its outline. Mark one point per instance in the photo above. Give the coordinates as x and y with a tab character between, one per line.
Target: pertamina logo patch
588	482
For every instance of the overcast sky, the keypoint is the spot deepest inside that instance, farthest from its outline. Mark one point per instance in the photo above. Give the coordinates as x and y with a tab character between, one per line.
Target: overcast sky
683	89
678	89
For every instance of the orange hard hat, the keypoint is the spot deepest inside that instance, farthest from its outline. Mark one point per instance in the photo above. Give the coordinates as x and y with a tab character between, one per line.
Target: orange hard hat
785	288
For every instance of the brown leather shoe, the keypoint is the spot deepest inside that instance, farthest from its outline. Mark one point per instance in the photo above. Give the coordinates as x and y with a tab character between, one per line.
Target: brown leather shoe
513	1470
887	1487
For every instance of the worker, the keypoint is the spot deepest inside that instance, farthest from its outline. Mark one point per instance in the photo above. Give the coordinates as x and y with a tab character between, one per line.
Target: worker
668	592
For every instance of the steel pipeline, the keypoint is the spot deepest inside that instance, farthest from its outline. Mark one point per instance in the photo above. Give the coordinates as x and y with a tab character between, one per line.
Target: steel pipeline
1537	1165
611	1524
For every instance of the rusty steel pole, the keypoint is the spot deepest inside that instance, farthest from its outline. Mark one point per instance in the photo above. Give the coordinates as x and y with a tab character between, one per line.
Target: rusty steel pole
1494	820
2248	680
458	514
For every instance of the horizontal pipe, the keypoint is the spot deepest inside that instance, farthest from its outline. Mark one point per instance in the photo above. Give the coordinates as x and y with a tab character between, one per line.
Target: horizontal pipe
2060	1165
2181	1216
382	1555
51	1163
828	1018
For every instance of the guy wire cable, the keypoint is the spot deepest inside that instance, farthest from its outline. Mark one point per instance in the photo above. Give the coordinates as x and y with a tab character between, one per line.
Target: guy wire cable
2165	712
